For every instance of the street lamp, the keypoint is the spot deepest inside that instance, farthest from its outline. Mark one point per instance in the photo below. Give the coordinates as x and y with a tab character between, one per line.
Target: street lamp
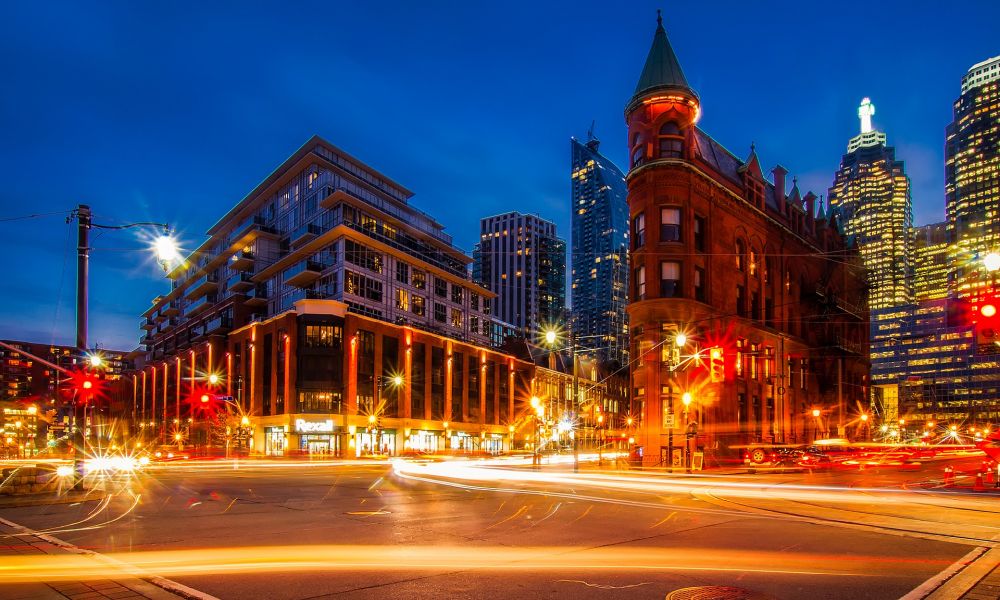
816	414
536	405
166	251
686	401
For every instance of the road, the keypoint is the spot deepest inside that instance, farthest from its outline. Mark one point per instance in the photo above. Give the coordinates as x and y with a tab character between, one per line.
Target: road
298	530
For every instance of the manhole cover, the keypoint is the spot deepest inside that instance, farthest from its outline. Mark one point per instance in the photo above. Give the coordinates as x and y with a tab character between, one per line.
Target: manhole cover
715	592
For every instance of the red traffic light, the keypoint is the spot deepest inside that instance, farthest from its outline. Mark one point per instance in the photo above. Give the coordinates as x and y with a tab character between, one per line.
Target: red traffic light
716	365
203	400
84	386
987	326
988	310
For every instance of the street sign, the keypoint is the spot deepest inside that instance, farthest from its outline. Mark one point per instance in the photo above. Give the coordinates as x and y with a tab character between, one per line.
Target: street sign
668	420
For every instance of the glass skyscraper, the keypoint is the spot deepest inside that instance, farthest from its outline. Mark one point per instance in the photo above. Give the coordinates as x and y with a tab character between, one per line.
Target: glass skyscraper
872	193
972	177
599	253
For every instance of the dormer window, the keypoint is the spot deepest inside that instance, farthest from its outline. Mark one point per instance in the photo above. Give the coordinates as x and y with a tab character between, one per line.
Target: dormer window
671	140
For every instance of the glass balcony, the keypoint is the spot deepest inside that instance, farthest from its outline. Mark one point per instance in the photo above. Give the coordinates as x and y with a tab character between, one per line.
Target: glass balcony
250	228
240	282
242	261
199	305
171	310
256	296
220	324
201	286
304	234
303	273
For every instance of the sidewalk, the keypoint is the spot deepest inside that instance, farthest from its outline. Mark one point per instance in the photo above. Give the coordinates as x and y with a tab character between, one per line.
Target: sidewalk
14	542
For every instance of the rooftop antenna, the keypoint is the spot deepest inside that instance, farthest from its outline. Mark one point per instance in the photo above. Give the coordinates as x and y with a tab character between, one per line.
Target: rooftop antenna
590	132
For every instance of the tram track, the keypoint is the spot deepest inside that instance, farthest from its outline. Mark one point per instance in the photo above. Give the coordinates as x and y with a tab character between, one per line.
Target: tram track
707	495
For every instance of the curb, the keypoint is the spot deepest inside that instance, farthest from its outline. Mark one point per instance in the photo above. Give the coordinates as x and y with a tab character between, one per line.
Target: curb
142	579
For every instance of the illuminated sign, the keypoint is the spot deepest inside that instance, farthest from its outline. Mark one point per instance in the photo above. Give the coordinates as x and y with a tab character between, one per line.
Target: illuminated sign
303	426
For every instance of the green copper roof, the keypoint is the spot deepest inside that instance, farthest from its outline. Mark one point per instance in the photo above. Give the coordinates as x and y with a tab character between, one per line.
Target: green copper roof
662	71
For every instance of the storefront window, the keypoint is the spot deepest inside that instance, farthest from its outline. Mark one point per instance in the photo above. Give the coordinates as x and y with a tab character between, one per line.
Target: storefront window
274	441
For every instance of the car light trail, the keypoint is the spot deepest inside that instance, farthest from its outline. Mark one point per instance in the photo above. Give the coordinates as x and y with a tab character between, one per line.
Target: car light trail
284	559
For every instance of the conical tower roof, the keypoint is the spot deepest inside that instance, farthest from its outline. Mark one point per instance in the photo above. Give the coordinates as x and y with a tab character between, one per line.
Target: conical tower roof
662	71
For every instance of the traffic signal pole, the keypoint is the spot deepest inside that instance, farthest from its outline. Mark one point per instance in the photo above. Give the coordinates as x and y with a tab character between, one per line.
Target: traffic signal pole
83	218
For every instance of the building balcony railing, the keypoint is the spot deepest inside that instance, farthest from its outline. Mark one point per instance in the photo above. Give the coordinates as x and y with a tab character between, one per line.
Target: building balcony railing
220	324
240	282
147	325
199	305
339	191
256	296
250	228
242	261
303	273
172	309
303	234
201	286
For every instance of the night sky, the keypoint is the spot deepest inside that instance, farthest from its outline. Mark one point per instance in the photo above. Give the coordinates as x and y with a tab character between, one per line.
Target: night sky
172	112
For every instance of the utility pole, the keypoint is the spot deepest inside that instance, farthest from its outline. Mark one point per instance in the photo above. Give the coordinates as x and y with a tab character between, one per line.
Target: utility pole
83	219
576	406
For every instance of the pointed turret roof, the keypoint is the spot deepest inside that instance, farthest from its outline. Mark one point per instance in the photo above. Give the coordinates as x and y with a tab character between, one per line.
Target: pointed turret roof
662	72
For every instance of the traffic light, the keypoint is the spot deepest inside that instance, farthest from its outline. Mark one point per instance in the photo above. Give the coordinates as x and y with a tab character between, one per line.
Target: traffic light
85	385
987	326
204	400
716	365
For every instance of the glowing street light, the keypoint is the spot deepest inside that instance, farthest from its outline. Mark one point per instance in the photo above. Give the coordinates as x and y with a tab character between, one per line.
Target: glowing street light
816	412
95	360
213	379
864	417
551	336
166	249
680	340
686	399
991	261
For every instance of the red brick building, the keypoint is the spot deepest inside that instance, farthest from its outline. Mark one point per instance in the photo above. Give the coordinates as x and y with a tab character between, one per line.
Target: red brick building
730	260
319	379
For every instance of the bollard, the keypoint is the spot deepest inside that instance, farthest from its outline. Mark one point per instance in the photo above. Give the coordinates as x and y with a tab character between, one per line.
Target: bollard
978	485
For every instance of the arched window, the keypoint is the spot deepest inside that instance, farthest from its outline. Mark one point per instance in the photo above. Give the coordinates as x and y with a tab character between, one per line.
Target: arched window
671	140
639	155
741	249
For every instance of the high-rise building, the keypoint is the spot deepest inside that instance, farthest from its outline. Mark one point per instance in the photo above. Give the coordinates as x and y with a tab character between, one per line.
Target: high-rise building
599	258
746	312
872	193
972	178
930	262
521	260
927	354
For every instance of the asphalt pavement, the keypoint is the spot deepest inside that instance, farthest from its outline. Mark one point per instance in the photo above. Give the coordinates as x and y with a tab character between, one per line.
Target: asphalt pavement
303	530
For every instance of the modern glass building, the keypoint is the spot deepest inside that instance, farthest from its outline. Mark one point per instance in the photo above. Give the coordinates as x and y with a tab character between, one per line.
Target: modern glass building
599	252
972	177
872	193
522	260
925	353
930	262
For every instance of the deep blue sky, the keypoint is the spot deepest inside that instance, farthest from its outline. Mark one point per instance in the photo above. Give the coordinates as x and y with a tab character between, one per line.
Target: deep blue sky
172	111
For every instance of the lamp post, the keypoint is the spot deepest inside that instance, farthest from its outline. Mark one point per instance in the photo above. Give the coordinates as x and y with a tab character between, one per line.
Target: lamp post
536	405
166	251
381	382
686	400
816	414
